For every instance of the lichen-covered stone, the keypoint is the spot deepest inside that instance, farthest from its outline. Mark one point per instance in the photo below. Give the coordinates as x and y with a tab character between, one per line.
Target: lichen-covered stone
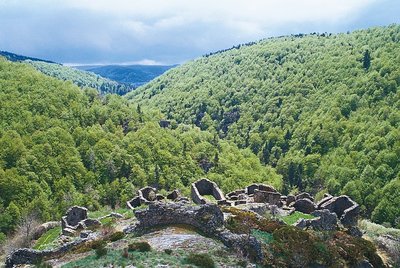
174	195
206	218
350	216
304	195
304	205
345	208
290	199
73	216
272	198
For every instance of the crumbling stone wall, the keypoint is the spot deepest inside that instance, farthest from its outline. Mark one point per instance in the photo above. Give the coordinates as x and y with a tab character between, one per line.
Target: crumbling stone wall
205	187
32	256
207	218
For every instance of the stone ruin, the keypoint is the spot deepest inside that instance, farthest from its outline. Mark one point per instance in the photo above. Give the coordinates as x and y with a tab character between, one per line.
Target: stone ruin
148	195
206	217
204	187
76	219
261	198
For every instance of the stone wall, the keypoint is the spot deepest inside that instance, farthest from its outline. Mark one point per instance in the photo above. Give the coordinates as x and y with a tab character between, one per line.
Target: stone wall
207	218
32	256
205	187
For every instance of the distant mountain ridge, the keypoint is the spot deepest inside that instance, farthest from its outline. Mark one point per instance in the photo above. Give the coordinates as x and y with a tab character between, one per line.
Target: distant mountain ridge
135	75
15	57
116	79
78	77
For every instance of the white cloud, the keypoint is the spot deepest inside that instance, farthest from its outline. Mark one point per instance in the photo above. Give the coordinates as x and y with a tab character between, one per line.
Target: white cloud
166	30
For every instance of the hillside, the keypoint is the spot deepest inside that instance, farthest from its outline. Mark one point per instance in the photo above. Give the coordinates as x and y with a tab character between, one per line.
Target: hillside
78	77
323	109
82	78
62	146
135	75
15	57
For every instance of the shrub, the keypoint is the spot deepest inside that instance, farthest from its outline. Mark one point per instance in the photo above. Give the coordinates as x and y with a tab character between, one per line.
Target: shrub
116	236
125	253
201	260
98	244
3	238
168	251
244	221
139	246
100	252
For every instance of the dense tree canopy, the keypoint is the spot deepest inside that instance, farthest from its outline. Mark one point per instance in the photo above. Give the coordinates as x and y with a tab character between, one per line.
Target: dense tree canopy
61	145
81	78
323	109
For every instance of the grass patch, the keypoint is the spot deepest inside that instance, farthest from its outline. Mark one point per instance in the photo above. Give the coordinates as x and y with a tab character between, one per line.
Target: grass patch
119	258
294	217
210	198
47	239
374	230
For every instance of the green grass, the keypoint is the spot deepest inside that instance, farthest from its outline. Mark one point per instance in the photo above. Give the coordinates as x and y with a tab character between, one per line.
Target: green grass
127	213
291	219
47	239
210	198
139	259
374	230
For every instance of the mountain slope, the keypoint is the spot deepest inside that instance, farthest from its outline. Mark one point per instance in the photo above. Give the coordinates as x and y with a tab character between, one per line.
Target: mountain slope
78	77
322	109
62	146
135	75
82	78
15	57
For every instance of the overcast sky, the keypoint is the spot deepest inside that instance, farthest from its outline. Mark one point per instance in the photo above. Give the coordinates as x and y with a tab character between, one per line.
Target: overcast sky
170	31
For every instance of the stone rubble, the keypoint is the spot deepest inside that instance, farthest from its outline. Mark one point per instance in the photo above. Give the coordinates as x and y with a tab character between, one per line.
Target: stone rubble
330	212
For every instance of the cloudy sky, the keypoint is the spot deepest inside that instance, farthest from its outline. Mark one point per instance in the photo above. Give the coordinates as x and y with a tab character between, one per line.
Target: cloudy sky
170	31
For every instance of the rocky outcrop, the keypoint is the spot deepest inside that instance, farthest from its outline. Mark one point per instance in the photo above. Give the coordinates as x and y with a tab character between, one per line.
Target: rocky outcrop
205	187
326	198
304	195
175	194
290	199
304	205
345	208
324	221
164	123
207	218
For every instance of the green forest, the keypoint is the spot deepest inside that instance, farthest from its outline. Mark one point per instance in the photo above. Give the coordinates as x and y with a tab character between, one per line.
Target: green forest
322	109
61	145
81	78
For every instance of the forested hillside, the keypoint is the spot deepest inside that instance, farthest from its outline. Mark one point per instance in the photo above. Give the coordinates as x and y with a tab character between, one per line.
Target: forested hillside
135	75
15	57
82	78
323	109
62	146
